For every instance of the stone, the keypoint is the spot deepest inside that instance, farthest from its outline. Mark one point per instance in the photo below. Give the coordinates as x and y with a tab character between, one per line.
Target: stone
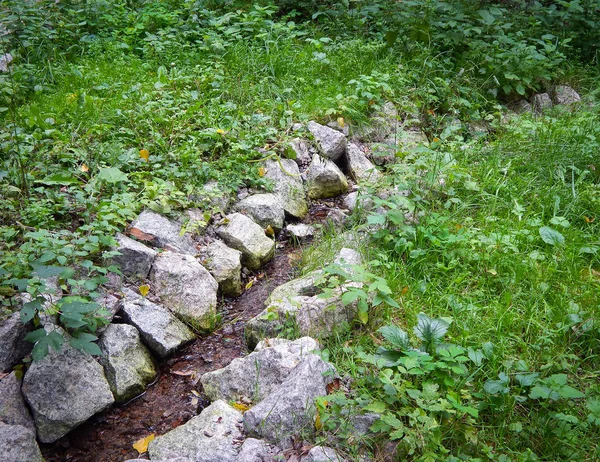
5	60
350	201
208	437
360	168
243	234
159	329
337	217
522	107
265	209
256	375
224	264
13	346
331	143
174	459
186	288
18	444
254	450
213	197
287	186
383	123
136	258
289	409
565	95
335	125
302	150
322	454
110	303
159	231
196	222
13	410
541	102
63	390
325	179
301	231
128	366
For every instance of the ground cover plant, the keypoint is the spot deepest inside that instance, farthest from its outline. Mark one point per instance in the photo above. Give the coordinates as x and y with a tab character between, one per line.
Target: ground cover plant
481	340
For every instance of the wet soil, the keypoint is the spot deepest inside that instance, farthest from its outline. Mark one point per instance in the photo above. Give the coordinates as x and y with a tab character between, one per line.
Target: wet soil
176	396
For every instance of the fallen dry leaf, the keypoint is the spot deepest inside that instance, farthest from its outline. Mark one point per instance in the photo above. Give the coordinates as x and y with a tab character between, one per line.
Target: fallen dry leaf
84	168
141	446
144	290
241	407
139	234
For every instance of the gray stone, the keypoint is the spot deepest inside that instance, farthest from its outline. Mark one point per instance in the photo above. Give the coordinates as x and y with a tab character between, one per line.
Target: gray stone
13	346
256	375
563	94
174	459
241	233
522	107
254	450
360	424
302	150
331	143
350	200
186	288
160	330
196	222
265	209
322	454
136	259
213	197
361	169
335	125
5	60
287	186
541	103
337	217
63	390
325	179
289	409
224	263
18	444
209	437
159	231
301	231
128	366
13	410
382	124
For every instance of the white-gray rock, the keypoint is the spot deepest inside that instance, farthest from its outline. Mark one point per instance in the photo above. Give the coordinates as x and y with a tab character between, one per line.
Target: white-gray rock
208	437
541	103
186	288
63	390
13	346
325	179
256	375
254	450
241	233
128	366
350	200
563	94
213	197
5	60
159	231
287	186
18	444
224	263
360	168
196	222
522	107
13	410
265	209
160	330
322	454
300	231
302	150
136	258
289	409
331	143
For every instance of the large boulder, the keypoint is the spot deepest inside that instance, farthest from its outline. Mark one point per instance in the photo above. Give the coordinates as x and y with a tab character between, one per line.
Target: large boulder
542	103
224	264
360	168
13	346
63	390
212	436
255	376
18	444
563	94
160	330
325	179
128	366
241	233
287	186
13	410
289	409
265	209
186	288
136	259
159	231
331	143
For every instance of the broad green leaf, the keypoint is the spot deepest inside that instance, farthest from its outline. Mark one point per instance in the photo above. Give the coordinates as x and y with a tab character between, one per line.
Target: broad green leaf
376	406
84	342
111	175
43	341
551	236
569	392
430	330
62	179
396	336
528	379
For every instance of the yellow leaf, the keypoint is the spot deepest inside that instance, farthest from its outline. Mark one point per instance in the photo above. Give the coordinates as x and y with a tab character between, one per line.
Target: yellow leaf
241	407
250	284
269	231
589	220
141	446
144	154
261	172
341	122
84	168
144	290
221	131
318	424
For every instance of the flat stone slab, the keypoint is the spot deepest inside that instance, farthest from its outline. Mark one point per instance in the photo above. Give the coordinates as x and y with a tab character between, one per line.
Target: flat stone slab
13	410
265	209
159	231
159	329
325	179
136	258
288	186
18	444
186	288
332	144
225	265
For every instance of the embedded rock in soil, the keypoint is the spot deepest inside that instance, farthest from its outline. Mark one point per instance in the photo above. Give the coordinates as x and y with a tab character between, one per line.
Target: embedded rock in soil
63	390
254	450
350	201
541	103
287	186
332	143
302	150
325	179
382	124
361	169
563	94
213	197
13	410
522	107
175	459
256	375
128	366
18	444
211	436
265	209
186	288
337	217
241	233
301	231
160	330
322	454
159	231
13	346
197	222
136	259
225	266
5	60
289	409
